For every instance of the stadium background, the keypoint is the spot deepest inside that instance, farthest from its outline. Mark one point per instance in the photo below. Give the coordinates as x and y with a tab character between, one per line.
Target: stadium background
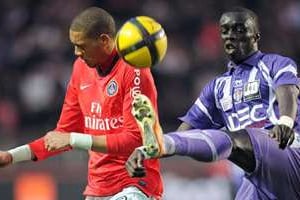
35	64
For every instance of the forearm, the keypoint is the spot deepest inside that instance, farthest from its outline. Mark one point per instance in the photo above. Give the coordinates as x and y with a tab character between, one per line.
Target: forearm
21	153
99	144
287	100
122	144
40	152
287	96
88	142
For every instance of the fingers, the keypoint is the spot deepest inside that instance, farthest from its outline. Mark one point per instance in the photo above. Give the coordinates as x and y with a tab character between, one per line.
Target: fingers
50	144
283	143
135	172
286	136
283	135
134	164
140	159
282	138
292	138
271	134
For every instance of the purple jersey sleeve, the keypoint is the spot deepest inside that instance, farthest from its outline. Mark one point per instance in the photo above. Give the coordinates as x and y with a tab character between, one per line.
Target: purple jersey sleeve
283	71
204	113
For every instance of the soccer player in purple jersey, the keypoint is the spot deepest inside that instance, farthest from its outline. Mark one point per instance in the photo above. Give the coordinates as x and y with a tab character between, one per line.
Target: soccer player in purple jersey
256	100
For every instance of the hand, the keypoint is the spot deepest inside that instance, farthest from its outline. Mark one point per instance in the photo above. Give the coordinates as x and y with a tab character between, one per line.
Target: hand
283	134
5	158
134	164
55	140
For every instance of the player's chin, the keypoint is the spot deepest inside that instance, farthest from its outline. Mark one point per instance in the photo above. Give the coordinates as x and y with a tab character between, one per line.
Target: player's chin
90	64
230	52
234	56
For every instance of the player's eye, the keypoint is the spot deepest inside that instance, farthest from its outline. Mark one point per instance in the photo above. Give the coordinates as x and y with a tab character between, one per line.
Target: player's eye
223	30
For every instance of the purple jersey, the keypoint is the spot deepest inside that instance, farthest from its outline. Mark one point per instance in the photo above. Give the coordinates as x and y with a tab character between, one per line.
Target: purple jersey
244	96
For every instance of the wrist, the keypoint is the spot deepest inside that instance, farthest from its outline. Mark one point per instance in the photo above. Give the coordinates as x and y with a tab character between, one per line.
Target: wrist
286	120
20	154
81	141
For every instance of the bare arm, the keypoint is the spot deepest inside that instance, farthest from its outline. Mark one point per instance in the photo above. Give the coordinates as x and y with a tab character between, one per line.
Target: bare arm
286	96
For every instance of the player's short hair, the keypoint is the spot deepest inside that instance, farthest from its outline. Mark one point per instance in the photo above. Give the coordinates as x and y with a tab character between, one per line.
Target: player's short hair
249	13
94	21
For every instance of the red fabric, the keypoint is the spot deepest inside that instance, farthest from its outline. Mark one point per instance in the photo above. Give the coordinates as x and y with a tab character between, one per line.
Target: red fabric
102	106
39	150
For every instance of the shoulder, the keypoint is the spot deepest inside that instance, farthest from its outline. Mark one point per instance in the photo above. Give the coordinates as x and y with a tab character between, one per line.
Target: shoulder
272	59
214	83
130	70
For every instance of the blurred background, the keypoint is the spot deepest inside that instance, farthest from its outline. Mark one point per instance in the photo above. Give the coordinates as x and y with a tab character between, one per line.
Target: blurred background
35	64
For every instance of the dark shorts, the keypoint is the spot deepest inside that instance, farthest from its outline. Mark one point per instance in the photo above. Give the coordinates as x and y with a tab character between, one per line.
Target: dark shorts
277	173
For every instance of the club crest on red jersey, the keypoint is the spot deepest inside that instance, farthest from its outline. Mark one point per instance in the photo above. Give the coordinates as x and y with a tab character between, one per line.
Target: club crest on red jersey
112	88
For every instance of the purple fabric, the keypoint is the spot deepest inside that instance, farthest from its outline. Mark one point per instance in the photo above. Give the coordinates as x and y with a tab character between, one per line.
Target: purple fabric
202	145
241	97
277	173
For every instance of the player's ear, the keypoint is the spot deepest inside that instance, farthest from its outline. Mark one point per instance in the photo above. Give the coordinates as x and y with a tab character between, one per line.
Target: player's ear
104	38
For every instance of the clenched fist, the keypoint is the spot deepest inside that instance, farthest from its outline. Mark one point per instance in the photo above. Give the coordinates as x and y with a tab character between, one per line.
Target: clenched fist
283	134
55	140
134	164
5	158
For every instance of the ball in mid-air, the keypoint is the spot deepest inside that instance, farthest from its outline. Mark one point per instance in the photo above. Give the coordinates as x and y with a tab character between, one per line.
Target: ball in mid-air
141	42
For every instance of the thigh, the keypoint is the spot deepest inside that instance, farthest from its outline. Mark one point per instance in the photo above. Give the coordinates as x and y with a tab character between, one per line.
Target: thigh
277	171
131	193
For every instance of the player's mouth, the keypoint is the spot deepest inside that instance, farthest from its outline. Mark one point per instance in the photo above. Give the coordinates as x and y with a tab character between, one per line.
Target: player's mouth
229	47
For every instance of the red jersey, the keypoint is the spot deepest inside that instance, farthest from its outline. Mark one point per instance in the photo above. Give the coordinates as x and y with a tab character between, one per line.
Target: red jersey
101	105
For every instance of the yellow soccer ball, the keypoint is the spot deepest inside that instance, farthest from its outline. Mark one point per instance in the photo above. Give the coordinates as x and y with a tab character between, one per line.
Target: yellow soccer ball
141	42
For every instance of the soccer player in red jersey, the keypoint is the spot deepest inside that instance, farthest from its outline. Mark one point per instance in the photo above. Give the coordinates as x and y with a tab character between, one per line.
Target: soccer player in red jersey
96	114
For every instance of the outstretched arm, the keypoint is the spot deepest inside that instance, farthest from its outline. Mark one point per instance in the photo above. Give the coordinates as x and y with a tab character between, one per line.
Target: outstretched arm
129	137
18	154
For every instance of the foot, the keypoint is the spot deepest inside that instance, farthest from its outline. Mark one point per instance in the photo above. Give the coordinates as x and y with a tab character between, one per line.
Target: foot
149	126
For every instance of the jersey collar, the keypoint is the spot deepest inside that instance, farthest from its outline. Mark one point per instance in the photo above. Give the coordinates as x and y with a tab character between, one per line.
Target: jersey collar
249	62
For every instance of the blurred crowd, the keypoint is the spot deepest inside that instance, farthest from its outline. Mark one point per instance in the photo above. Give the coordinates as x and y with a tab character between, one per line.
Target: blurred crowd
36	55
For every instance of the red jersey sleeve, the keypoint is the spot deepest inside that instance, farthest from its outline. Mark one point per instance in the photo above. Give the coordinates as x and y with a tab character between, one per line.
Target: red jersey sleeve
71	119
136	81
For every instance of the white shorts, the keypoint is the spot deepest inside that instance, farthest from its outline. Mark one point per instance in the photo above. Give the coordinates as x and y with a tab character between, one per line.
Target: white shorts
129	193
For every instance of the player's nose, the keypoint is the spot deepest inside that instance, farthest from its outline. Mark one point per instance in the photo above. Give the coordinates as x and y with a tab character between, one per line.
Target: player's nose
229	35
78	52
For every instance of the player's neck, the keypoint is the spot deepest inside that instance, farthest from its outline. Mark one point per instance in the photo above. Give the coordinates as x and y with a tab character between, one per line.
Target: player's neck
241	60
107	66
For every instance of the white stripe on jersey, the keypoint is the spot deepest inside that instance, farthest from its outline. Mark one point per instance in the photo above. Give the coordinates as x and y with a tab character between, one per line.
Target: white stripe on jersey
266	74
226	90
289	68
252	75
201	106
